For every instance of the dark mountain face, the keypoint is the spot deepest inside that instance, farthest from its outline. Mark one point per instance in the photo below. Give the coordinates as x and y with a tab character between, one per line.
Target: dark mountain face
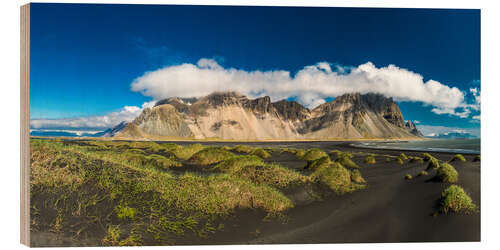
112	131
232	115
413	129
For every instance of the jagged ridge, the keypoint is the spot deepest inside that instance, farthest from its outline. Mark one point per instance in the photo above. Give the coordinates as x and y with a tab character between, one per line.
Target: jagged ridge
230	115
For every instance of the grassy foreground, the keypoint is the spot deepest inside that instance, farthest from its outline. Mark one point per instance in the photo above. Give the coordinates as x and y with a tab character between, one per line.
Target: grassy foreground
138	193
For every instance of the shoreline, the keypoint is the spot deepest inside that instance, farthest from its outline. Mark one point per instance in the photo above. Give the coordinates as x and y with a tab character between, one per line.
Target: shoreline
350	143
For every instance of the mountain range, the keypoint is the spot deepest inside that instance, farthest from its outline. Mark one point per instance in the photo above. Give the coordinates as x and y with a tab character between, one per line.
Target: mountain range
233	116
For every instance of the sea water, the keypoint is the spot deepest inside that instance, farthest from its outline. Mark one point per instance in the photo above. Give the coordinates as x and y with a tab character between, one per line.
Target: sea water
466	146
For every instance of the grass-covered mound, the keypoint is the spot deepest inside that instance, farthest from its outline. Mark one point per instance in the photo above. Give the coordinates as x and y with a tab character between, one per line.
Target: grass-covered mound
260	152
337	153
313	165
427	156
186	152
423	173
447	173
314	154
403	156
400	161
458	157
336	177
299	152
75	192
347	162
253	168
416	159
209	156
454	199
356	176
243	149
370	160
433	163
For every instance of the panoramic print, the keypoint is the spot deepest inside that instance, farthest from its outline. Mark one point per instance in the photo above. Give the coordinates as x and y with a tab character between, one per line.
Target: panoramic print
211	125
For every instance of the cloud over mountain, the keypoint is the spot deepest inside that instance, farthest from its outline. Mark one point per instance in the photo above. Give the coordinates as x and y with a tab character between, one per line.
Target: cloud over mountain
310	85
127	113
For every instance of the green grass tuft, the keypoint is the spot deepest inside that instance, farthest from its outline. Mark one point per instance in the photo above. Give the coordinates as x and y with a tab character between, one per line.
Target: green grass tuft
454	199
334	176
243	149
447	173
427	156
400	161
433	164
313	165
347	162
403	156
370	160
408	177
416	159
260	152
209	156
458	157
186	152
423	173
356	176
314	154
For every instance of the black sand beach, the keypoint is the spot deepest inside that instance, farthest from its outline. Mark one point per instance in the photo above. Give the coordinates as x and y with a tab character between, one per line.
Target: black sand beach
390	209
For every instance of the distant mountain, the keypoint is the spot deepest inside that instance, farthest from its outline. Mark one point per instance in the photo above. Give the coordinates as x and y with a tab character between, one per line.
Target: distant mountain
112	131
230	115
452	135
410	126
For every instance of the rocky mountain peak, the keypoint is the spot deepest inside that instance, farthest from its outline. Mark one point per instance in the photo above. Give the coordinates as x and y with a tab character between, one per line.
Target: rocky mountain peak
410	126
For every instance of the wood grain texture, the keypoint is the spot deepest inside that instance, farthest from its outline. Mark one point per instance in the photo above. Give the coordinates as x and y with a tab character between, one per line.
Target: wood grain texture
25	123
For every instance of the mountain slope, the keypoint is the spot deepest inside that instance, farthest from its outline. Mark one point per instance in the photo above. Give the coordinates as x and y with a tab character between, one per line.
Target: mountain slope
229	115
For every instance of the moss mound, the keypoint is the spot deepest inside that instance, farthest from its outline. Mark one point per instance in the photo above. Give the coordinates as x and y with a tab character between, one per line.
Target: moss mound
403	156
133	205
314	154
253	168
356	176
427	156
243	149
313	165
447	173
454	199
299	153
209	156
433	164
423	173
186	152
336	152
370	160
458	157
400	161
260	152
416	159
334	176
347	162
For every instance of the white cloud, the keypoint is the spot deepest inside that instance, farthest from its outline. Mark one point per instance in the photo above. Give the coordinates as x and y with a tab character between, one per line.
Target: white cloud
429	130
127	113
477	99
310	85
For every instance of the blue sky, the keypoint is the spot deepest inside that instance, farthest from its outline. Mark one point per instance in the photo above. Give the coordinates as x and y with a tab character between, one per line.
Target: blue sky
86	59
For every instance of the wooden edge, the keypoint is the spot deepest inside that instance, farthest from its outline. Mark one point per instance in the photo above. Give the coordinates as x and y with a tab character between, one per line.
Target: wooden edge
25	124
